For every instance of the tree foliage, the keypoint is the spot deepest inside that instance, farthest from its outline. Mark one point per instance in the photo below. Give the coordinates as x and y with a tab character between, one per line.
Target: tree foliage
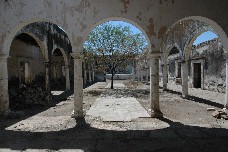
113	47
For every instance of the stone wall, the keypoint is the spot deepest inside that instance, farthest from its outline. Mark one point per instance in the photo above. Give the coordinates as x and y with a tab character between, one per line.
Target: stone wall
210	55
214	69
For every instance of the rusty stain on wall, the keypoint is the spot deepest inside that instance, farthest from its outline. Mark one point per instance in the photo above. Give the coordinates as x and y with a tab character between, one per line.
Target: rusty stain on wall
138	16
150	28
161	32
83	26
95	12
161	1
126	3
83	4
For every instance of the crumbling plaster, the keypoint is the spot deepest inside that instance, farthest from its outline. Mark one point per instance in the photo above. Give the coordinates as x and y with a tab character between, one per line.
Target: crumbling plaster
78	17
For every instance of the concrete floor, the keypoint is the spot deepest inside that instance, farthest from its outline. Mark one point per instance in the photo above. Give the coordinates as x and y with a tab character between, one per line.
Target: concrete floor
114	109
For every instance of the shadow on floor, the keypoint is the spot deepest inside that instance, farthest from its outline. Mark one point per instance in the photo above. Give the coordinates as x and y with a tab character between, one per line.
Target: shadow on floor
176	137
197	99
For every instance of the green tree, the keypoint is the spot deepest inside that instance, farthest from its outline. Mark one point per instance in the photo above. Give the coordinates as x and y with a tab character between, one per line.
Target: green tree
114	47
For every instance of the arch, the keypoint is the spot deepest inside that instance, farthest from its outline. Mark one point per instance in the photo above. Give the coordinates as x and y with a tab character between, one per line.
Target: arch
118	19
168	49
42	48
215	26
191	41
63	53
9	38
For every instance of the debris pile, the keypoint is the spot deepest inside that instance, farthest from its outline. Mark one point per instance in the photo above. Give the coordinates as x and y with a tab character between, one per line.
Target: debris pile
27	96
221	114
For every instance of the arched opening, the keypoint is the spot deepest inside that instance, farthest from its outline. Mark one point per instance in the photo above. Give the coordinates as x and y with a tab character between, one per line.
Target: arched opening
131	31
30	65
119	54
25	69
207	62
174	66
203	62
58	73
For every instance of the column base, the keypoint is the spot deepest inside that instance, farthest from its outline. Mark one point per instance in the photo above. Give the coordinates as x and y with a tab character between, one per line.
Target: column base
156	114
78	114
184	96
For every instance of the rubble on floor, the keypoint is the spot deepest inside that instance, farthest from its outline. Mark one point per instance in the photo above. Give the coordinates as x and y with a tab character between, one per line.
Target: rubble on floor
221	114
27	96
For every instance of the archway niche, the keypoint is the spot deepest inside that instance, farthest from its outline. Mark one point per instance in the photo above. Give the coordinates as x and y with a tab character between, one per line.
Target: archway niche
59	70
25	71
207	69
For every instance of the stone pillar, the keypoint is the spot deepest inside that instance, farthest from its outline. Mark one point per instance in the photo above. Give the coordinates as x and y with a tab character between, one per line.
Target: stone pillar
184	78
47	76
67	75
85	72
4	96
165	76
93	73
90	73
154	85
147	75
138	77
133	70
78	86
141	75
226	95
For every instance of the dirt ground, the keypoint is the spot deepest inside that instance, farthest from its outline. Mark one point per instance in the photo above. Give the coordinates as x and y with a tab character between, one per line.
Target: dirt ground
186	126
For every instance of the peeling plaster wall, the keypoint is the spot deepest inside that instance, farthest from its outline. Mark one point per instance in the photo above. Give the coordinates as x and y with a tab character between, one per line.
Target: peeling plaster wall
49	35
182	34
215	64
214	69
78	17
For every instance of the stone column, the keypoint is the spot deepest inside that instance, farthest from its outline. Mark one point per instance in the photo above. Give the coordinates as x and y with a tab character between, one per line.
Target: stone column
90	73
67	75
138	77
133	70
154	85
184	78
47	76
4	96
226	95
78	86
165	76
147	75
93	73
141	75
85	72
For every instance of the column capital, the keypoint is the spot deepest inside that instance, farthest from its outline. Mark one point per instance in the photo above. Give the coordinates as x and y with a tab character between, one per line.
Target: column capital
155	55
77	55
4	57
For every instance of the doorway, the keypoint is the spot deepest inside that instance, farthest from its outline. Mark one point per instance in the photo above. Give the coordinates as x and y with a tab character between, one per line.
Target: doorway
197	75
24	73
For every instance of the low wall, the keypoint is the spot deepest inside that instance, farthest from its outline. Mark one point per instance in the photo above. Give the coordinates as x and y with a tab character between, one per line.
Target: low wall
119	76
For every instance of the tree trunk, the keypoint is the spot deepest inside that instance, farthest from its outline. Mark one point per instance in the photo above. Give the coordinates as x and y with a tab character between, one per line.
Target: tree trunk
112	81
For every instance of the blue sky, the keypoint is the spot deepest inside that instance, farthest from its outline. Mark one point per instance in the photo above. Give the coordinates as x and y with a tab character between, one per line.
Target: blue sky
202	38
205	37
133	28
